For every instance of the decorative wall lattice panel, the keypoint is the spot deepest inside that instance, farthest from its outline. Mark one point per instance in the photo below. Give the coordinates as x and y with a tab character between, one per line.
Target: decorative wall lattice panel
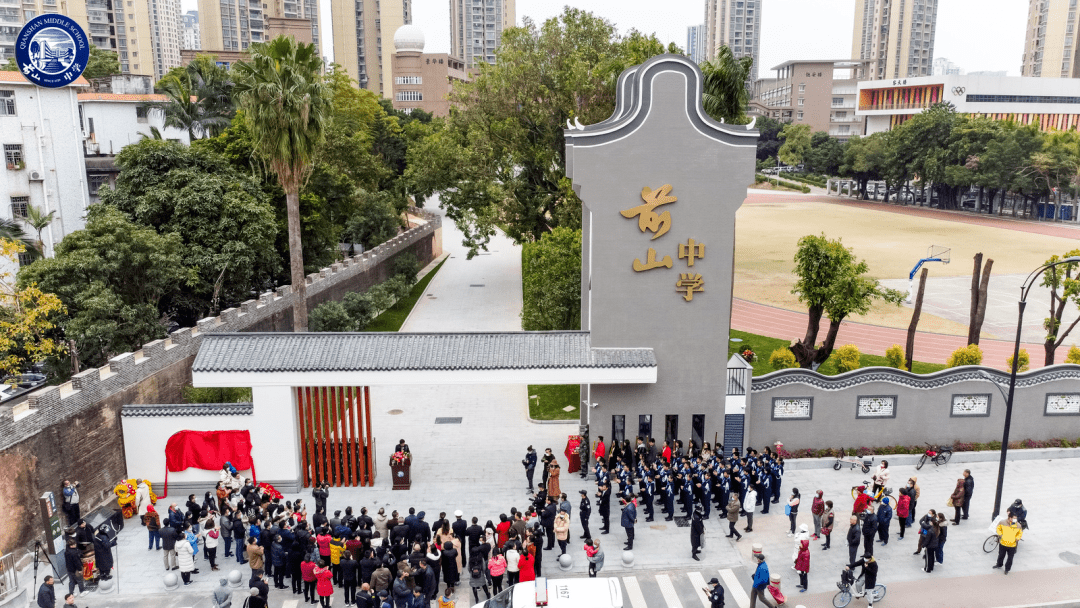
1063	404
879	406
793	408
970	405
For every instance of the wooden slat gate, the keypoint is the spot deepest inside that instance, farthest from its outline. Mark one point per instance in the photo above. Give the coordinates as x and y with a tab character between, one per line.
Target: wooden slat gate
336	442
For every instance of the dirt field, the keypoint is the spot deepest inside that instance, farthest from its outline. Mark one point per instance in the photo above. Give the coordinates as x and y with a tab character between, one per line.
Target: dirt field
767	235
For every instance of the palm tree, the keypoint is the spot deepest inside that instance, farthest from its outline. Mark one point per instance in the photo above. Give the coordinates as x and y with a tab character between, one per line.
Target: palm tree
39	220
725	95
10	230
198	98
287	107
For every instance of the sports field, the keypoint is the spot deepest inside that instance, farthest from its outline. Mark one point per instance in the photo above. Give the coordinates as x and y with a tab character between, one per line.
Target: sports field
767	235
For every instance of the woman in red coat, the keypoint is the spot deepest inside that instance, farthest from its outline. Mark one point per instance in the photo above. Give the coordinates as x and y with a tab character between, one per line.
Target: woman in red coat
526	571
802	564
324	585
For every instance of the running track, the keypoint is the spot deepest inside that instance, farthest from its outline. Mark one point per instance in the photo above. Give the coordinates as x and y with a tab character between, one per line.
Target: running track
873	339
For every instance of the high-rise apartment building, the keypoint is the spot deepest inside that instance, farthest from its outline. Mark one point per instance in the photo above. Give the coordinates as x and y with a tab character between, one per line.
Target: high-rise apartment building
695	42
1050	41
191	31
944	67
234	25
123	26
476	27
167	35
735	24
895	37
364	39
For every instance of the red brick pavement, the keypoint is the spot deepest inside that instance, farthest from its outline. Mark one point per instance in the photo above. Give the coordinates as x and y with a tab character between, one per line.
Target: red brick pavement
873	339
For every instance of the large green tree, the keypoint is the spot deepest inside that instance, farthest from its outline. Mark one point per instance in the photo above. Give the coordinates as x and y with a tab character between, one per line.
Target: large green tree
102	63
796	143
831	281
864	159
198	98
724	92
500	160
223	217
112	277
825	154
551	281
1064	293
287	104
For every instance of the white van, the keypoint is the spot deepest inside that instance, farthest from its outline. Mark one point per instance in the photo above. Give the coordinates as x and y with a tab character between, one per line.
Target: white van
562	593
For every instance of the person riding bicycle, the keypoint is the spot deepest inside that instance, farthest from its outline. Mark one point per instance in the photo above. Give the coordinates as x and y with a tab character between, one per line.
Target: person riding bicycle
881	477
868	574
1017	509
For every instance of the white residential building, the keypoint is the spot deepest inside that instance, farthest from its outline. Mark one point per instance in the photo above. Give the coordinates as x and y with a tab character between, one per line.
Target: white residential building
696	45
43	154
192	39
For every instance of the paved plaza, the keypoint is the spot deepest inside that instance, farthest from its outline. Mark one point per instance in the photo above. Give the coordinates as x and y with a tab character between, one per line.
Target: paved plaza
475	466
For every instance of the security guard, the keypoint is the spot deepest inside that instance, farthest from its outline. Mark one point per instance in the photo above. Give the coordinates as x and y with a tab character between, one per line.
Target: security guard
584	510
716	594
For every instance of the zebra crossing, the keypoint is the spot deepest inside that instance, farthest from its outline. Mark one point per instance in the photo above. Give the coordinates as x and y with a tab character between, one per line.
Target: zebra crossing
682	589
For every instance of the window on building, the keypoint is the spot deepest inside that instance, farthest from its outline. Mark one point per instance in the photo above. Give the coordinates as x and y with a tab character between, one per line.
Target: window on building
141	113
25	258
802	88
28	15
697	430
20	207
802	101
800	114
7	103
95	182
409	96
671	428
13	155
644	429
618	428
408	80
837	101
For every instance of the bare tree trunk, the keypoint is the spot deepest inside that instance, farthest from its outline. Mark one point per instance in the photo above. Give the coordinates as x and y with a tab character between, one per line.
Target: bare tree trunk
984	284
973	313
909	349
296	260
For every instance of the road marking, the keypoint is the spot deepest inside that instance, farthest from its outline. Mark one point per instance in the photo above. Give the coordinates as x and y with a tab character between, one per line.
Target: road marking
633	591
698	582
734	589
671	599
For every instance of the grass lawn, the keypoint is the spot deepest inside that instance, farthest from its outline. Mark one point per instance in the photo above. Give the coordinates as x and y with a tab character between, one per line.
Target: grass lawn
763	348
392	318
551	401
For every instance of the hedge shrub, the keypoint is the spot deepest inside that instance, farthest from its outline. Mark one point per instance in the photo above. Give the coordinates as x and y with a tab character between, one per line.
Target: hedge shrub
847	358
1025	361
967	355
895	356
783	358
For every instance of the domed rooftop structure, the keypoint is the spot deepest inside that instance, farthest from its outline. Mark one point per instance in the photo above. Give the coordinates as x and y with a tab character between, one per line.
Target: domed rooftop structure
409	38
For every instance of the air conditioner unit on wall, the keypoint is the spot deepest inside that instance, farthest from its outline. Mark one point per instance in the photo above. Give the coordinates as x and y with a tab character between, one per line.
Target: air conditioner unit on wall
35	176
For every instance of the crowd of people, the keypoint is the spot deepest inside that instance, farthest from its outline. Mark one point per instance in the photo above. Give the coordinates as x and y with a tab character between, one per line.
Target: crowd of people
390	560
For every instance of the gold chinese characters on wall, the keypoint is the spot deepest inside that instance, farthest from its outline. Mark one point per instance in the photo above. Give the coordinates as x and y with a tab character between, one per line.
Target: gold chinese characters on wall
659	224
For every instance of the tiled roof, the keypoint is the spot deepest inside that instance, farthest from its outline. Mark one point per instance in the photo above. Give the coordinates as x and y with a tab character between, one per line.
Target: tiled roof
187	409
120	97
18	77
325	352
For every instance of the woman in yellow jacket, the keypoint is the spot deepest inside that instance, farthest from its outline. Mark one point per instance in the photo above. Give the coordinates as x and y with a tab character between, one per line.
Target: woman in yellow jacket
337	548
1010	533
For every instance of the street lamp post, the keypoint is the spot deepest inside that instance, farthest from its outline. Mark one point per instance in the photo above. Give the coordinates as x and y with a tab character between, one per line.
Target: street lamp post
1024	290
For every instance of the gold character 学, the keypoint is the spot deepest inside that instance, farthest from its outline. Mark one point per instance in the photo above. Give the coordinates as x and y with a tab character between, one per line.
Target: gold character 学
690	283
648	219
650	262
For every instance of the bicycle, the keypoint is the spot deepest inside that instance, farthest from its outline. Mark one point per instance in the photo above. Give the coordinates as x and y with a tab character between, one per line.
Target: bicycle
883	491
991	543
939	456
853	461
844	596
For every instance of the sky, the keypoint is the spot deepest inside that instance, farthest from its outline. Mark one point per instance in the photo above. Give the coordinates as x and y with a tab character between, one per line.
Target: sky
974	34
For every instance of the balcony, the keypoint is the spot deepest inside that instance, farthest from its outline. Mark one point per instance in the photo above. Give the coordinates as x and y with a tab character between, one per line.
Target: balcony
845	119
845	91
847	105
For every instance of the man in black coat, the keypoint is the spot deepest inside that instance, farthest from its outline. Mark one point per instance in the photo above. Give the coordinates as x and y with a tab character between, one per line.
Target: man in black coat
321	493
73	562
410	520
697	533
716	594
474	532
547	519
854	534
459	527
529	462
399	533
103	555
869	531
364	522
46	595
584	510
604	507
969	488
168	546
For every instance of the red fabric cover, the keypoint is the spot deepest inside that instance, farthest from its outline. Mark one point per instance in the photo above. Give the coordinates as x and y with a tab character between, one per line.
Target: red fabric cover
207	450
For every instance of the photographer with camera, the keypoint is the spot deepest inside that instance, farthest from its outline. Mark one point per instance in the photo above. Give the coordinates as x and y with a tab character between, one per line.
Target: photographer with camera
529	462
71	502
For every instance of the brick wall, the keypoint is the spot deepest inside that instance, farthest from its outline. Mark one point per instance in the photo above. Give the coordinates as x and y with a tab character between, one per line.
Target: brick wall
73	431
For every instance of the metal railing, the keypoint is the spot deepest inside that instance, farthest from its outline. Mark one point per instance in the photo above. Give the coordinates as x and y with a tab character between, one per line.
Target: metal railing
9	581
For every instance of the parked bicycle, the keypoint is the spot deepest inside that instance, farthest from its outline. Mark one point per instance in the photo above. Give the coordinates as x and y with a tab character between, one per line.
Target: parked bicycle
853	461
883	491
938	454
851	587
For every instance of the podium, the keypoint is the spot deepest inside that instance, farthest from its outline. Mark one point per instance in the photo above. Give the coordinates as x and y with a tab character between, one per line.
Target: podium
400	471
572	457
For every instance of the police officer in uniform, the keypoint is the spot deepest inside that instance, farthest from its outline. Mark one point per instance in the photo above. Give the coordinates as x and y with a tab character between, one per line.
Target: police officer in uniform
584	510
716	594
604	506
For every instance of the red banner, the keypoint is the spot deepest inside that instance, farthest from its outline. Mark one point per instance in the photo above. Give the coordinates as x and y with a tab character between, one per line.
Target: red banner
207	450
